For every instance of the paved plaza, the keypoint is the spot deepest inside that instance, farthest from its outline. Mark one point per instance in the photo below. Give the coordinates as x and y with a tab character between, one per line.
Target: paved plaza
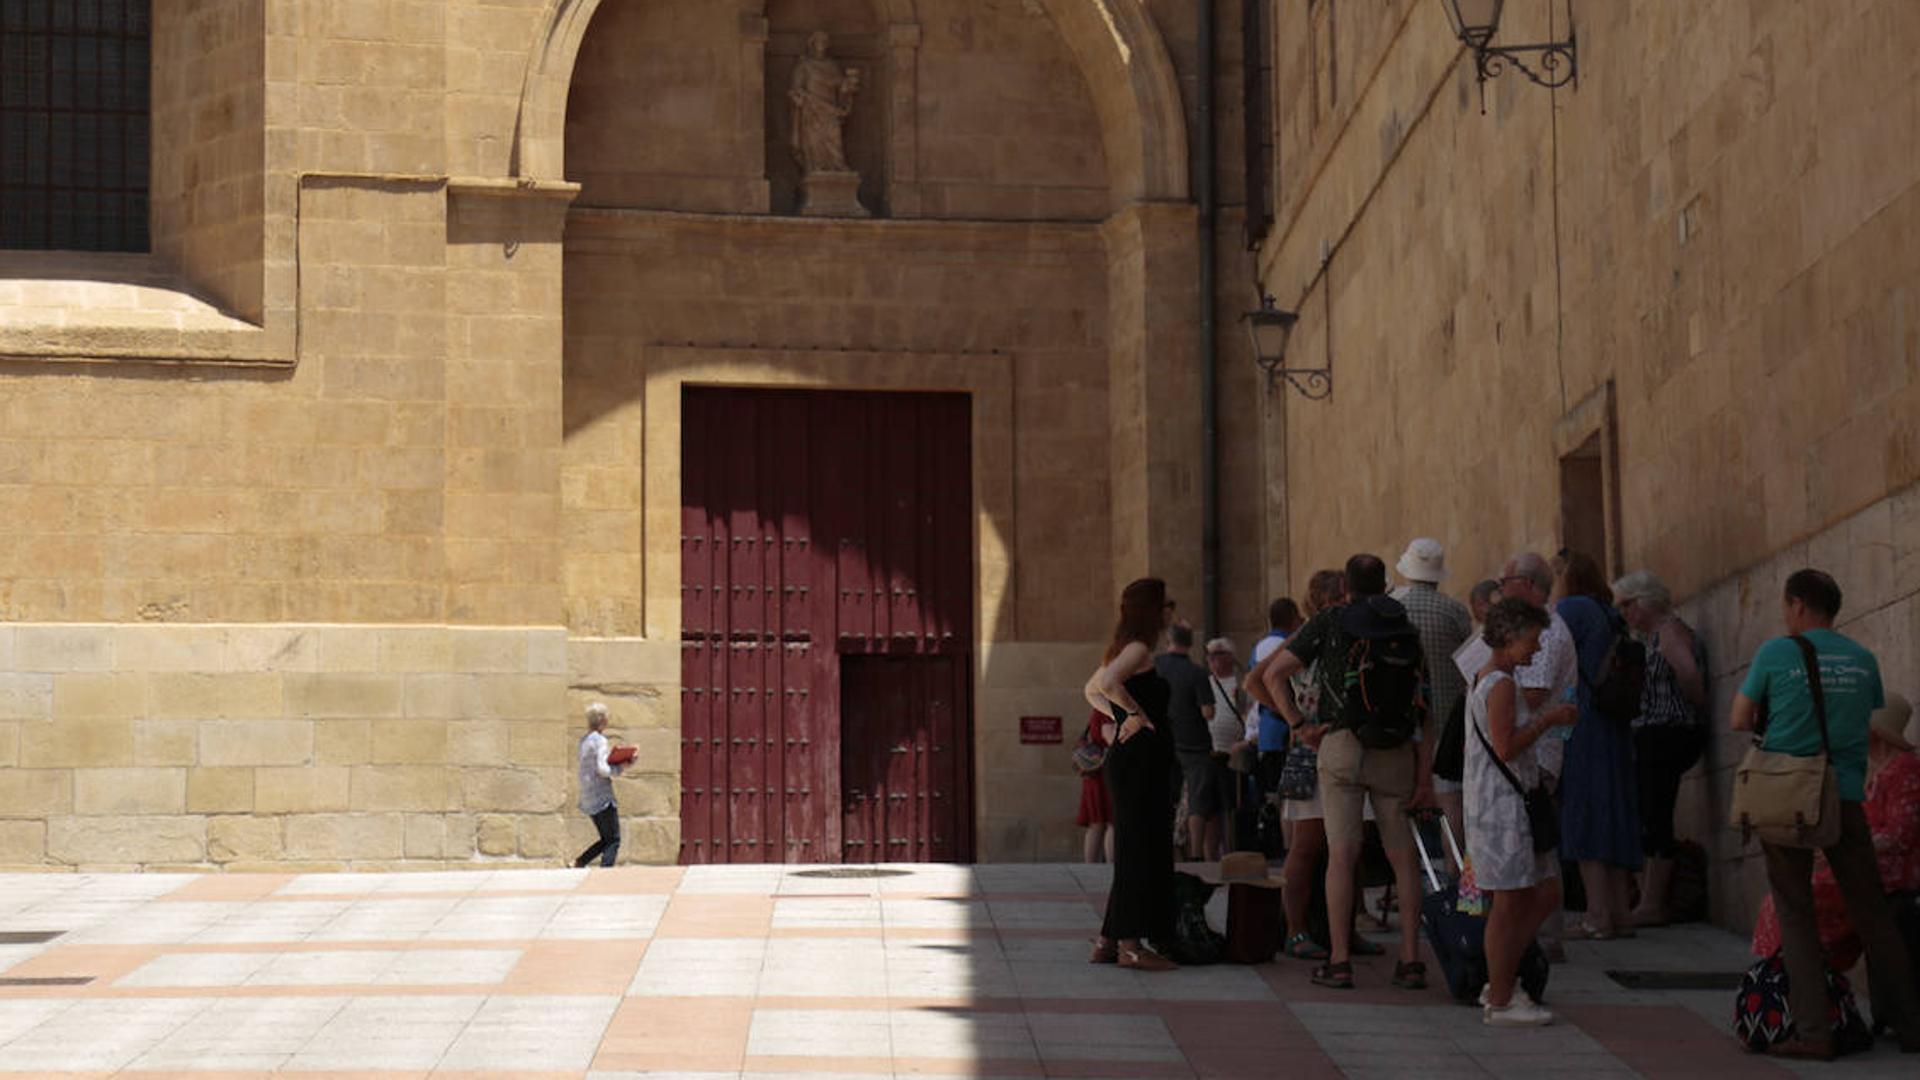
728	971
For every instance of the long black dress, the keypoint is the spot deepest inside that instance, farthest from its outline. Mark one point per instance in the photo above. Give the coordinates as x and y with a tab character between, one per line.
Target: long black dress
1139	778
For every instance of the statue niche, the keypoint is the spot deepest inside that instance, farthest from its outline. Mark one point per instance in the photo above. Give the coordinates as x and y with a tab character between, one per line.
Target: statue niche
825	127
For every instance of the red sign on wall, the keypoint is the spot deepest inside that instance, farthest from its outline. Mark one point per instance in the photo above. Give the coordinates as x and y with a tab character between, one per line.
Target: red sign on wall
1040	730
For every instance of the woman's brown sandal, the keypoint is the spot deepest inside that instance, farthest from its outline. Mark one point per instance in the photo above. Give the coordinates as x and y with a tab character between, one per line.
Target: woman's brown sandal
1105	951
1145	959
1336	976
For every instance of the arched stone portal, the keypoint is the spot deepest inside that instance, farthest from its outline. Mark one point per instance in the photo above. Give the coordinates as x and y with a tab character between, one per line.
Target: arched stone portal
1121	54
1048	271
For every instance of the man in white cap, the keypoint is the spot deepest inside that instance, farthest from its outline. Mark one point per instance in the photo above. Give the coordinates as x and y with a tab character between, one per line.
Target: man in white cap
1444	626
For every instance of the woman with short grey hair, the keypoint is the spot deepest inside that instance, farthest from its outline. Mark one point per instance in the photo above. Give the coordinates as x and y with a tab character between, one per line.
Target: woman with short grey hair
1671	731
596	788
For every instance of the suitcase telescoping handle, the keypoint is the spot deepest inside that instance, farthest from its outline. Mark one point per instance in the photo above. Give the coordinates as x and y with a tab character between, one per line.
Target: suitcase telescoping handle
1426	860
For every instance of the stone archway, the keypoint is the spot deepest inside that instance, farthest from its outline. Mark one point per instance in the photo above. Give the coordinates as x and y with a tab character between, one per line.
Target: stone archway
1118	48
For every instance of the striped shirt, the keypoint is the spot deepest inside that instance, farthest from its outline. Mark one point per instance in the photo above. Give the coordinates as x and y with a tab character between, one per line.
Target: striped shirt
1661	702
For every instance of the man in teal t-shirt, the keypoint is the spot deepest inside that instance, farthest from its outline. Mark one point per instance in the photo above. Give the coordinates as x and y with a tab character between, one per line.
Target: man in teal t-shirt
1850	678
1850	685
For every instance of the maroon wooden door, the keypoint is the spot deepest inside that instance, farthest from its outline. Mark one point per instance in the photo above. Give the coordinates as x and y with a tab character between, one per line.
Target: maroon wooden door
900	765
827	590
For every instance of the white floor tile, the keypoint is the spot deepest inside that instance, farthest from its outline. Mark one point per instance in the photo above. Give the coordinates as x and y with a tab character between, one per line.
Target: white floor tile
399	1032
529	1033
820	1033
588	918
1102	1037
102	1035
243	1034
197	969
700	967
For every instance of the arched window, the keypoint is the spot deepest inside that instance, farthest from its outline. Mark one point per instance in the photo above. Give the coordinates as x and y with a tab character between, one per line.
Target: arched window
74	124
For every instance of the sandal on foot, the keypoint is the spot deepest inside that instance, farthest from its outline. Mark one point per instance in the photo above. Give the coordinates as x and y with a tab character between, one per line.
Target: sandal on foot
1105	951
1410	975
1591	932
1303	947
1334	976
1145	959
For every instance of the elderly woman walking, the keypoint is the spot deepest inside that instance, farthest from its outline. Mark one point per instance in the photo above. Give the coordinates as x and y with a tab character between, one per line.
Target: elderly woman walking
1671	731
596	788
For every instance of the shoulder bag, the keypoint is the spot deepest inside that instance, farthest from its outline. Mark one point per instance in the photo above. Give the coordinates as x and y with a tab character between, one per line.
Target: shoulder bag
1088	756
1785	799
1543	819
1300	775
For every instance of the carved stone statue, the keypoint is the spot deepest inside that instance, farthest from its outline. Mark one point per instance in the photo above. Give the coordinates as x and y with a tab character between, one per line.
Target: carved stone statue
822	94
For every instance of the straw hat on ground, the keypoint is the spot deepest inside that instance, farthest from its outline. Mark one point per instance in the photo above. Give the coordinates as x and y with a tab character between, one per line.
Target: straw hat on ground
1244	868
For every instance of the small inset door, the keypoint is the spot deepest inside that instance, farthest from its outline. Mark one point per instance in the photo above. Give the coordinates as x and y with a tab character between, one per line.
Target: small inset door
901	762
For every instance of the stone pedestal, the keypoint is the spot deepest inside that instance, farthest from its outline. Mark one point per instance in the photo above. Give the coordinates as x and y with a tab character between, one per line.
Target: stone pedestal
831	194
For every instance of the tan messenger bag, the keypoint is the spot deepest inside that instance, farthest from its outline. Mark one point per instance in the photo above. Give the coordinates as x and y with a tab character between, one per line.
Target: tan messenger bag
1784	799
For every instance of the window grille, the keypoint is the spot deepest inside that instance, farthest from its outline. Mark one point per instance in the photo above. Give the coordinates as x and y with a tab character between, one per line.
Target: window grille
74	124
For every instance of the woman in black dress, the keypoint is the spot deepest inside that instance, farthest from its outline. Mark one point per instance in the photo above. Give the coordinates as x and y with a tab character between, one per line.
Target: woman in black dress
1139	770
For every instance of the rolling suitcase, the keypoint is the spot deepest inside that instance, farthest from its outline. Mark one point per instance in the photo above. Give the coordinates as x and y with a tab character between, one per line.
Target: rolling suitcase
1458	939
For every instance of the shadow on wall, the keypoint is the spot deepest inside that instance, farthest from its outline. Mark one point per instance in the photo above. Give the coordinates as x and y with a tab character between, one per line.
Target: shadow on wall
1875	556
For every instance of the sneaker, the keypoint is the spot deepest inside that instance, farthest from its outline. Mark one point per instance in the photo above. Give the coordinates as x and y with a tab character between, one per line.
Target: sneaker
1518	1013
1518	992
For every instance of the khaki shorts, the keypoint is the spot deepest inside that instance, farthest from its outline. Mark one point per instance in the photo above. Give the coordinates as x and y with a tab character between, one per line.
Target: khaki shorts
1349	773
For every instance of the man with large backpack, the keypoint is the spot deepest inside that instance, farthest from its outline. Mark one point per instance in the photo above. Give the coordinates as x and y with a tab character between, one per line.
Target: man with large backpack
1371	717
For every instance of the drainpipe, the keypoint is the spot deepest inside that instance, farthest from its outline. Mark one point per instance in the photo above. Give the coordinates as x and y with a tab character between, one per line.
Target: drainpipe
1204	182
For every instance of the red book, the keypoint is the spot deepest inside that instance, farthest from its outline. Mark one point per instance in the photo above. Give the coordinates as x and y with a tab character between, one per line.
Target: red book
621	755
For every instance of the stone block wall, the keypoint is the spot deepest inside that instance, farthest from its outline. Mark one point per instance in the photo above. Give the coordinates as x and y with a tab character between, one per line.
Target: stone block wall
209	198
1707	236
247	746
1875	555
1027	793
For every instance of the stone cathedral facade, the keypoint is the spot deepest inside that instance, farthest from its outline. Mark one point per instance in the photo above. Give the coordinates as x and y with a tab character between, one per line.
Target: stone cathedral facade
351	358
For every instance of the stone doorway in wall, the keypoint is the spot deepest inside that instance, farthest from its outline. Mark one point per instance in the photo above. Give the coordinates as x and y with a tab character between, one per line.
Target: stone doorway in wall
1583	495
827	629
1587	441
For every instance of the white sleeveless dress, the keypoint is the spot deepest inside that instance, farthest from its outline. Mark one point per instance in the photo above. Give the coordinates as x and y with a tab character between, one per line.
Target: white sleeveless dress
1498	839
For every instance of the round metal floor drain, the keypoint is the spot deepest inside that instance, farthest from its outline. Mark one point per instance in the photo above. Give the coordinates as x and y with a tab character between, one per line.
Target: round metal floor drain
843	872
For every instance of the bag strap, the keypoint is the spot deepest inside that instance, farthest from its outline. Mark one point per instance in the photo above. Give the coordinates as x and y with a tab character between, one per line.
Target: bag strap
1811	657
1497	763
1221	693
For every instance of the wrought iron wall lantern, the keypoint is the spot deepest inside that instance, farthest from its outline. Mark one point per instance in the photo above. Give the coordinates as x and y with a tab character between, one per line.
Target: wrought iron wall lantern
1270	328
1476	22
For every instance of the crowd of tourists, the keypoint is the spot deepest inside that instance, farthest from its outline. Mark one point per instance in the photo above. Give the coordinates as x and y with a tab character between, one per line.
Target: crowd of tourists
1551	717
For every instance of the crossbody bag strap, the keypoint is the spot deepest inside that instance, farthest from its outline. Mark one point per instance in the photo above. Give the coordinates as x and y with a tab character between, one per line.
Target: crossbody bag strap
1811	657
1495	756
1221	692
